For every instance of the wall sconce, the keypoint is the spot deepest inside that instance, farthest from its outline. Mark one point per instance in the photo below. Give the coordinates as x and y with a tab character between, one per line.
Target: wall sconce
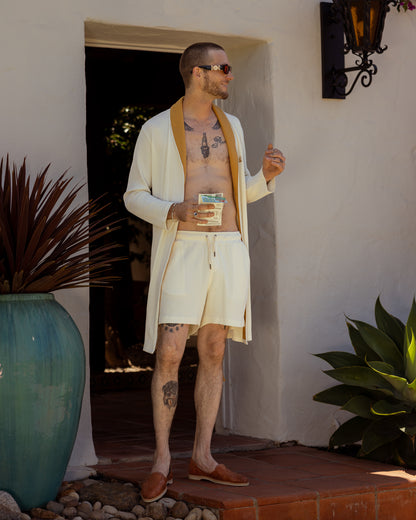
362	21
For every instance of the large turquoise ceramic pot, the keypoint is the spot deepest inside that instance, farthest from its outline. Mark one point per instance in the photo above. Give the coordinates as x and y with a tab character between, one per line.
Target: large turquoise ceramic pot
42	377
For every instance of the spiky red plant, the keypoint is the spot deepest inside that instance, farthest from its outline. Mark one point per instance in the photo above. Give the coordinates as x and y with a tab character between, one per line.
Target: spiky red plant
45	242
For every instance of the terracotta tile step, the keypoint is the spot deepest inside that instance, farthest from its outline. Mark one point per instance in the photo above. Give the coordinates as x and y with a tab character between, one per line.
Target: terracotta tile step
292	483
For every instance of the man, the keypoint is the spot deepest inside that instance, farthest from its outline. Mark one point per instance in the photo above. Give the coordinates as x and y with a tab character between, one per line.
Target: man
199	271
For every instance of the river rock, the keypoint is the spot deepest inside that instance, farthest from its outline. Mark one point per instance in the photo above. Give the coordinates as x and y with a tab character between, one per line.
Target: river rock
138	511
98	514
9	502
123	498
179	510
70	500
156	510
55	507
168	502
85	506
207	514
125	515
8	514
70	512
44	514
110	510
84	510
195	514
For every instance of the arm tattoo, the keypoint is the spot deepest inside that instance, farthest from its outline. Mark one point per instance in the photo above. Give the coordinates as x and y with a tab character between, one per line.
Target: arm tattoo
170	394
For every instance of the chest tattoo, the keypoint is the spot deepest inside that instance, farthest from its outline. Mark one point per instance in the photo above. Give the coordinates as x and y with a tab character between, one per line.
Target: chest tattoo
218	140
205	147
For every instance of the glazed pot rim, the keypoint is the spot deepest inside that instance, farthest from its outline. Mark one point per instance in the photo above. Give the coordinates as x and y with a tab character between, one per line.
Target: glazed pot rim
11	297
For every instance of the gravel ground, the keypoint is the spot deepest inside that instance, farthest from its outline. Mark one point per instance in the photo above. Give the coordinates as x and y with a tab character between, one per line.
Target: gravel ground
94	499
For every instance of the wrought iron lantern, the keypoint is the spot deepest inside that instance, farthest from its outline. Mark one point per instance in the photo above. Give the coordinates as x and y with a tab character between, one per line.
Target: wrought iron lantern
362	21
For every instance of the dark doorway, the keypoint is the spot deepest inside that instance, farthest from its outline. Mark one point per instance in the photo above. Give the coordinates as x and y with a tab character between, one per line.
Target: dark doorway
124	87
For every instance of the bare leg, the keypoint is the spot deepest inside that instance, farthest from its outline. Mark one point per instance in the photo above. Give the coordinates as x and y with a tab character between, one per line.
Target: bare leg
169	352
208	387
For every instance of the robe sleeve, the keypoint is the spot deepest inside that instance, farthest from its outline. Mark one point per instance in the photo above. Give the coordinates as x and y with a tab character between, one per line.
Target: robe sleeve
138	197
256	185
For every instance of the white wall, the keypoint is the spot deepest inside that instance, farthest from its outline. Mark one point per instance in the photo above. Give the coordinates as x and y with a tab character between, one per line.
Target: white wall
344	208
346	211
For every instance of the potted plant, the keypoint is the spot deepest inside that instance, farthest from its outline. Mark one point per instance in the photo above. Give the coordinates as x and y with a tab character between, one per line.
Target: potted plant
378	386
45	246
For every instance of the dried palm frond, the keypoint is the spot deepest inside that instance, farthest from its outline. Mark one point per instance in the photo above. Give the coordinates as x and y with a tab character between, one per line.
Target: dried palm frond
45	242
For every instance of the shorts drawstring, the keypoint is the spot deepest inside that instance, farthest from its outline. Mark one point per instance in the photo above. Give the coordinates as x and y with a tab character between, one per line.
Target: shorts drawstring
211	243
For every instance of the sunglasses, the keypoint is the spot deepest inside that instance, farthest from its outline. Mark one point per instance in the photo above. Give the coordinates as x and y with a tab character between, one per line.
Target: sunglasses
225	67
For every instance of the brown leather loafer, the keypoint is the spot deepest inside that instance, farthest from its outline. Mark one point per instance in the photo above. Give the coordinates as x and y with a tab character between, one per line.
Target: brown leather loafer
220	475
155	486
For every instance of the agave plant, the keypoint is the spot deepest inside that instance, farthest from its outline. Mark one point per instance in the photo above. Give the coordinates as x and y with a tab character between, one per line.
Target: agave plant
378	387
45	241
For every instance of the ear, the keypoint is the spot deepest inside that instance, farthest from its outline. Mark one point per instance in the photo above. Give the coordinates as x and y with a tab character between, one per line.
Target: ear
196	72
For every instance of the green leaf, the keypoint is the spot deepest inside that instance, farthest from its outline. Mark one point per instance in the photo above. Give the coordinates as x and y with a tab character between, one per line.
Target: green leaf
349	432
377	434
387	372
410	356
389	324
341	359
361	376
360	405
407	391
383	454
378	341
337	395
411	321
360	346
381	367
384	407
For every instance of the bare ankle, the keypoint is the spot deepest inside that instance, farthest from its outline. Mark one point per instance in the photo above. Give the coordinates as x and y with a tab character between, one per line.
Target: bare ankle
205	462
161	463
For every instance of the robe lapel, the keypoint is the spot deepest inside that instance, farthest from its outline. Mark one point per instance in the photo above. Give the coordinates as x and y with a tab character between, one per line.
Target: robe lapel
232	154
178	129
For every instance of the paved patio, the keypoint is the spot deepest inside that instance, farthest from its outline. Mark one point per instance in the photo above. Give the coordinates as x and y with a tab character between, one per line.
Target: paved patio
286	483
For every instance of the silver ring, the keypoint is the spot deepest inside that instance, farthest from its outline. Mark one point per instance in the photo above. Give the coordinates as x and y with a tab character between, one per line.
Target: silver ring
195	213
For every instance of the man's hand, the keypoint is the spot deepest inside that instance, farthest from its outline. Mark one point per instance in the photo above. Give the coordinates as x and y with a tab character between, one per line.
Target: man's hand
273	163
190	211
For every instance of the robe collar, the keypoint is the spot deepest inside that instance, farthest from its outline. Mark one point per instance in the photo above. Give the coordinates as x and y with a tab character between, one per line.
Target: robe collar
178	128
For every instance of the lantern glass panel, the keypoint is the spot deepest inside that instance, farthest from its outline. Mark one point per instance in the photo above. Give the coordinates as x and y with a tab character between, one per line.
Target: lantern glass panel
365	16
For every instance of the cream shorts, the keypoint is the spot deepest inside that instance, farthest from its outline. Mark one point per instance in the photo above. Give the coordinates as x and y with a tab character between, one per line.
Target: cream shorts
206	280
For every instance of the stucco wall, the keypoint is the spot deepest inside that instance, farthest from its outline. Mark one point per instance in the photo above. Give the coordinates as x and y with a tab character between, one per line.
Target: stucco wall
341	227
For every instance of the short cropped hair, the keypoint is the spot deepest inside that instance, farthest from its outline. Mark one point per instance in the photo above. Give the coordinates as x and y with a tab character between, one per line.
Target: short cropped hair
196	54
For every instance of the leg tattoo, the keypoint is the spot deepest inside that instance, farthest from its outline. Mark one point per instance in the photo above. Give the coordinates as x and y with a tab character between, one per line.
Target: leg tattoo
170	394
172	326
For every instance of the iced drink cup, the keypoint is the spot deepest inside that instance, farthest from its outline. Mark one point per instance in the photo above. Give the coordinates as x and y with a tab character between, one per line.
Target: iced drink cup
212	198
